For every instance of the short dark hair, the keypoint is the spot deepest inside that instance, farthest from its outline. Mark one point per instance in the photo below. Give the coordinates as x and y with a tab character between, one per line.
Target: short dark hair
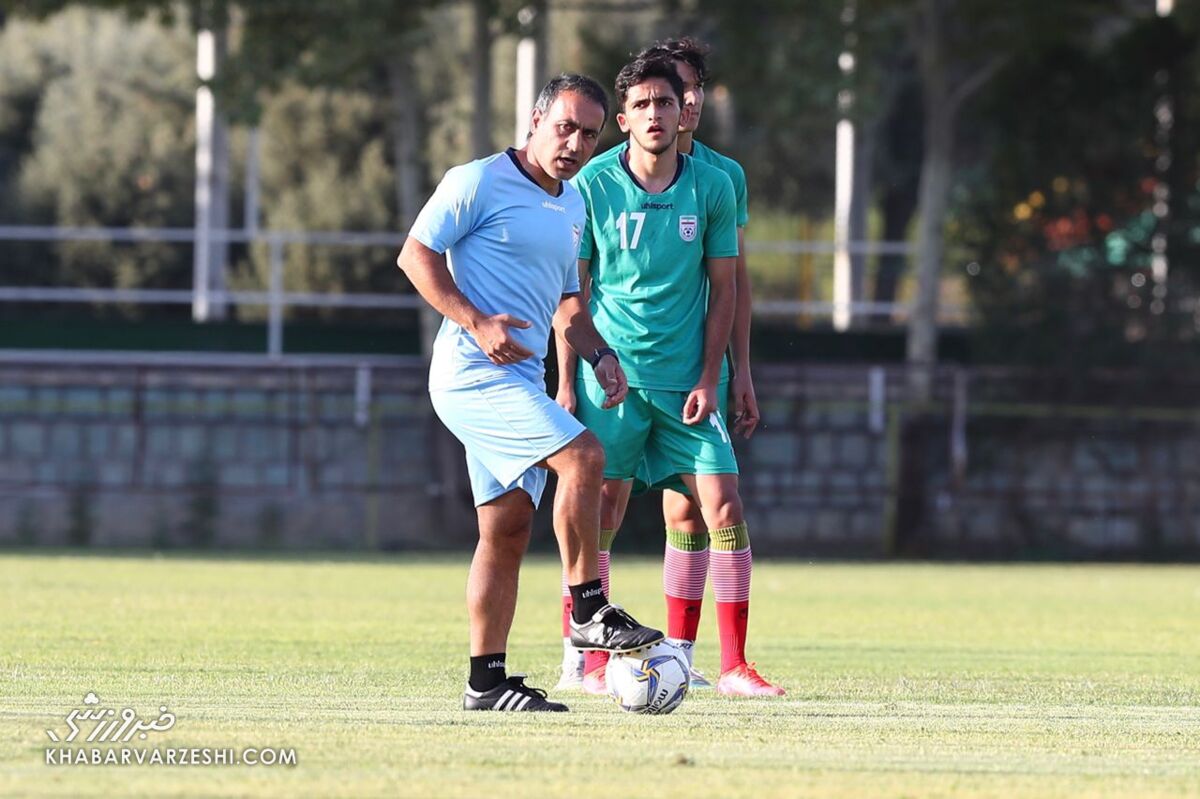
570	82
640	70
692	52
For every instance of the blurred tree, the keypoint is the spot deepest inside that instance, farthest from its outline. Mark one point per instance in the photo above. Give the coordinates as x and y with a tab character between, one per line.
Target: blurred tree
95	129
1058	214
897	166
358	44
960	47
325	167
374	46
778	60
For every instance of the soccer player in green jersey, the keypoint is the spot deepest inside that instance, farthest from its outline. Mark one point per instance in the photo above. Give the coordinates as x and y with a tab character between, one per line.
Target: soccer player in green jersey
661	249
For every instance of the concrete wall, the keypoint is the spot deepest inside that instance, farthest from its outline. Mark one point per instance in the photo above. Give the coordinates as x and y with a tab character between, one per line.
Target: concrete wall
347	454
215	455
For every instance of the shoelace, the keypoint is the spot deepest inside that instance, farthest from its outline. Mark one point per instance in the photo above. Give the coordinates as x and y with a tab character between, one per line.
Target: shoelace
518	681
619	613
753	676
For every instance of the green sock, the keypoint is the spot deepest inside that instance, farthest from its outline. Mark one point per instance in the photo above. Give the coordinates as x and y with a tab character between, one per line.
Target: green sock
606	539
730	539
687	542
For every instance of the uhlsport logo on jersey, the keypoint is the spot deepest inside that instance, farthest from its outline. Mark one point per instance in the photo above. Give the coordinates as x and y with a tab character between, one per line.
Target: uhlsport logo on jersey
688	226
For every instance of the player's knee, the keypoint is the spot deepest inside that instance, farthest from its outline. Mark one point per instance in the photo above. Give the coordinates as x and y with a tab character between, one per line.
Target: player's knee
612	493
588	455
611	515
508	536
681	513
505	551
508	531
726	510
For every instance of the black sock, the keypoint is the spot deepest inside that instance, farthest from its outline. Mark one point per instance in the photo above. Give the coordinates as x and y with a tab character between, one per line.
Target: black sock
487	671
586	599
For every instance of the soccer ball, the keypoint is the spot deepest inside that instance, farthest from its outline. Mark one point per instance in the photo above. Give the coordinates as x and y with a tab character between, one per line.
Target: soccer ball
652	681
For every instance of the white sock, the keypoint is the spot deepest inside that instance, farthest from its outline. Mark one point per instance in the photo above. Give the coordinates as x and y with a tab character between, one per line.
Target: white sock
683	645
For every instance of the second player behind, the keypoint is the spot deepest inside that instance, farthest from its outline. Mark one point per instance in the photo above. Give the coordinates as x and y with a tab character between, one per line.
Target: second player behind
658	262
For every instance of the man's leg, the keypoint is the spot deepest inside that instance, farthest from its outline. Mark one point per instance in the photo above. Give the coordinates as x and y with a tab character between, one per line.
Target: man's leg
730	566
614	498
685	572
504	527
580	470
595	624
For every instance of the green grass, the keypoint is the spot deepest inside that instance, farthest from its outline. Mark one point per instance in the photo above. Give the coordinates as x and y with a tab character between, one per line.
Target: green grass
904	681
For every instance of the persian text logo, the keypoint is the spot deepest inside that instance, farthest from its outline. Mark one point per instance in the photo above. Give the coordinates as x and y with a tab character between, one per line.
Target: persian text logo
109	726
114	730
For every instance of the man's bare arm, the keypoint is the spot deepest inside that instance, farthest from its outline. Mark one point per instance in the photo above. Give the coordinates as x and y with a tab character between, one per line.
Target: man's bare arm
575	332
430	275
740	339
718	324
566	356
745	401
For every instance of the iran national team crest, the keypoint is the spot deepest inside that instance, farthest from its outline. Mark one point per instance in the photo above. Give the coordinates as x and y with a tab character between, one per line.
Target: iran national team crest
687	228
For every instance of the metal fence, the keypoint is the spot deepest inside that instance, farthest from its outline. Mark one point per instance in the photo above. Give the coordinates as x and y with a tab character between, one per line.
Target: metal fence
277	300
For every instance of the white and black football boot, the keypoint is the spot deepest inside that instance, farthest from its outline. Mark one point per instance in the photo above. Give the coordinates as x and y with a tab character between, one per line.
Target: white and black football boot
611	629
511	695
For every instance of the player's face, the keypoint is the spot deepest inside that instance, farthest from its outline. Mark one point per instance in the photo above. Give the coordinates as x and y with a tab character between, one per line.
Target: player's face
564	138
693	97
651	115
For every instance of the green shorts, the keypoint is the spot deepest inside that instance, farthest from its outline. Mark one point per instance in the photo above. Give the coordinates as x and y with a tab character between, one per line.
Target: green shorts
645	438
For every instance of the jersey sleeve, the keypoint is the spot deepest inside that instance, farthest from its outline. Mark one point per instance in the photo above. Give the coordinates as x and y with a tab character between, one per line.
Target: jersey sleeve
740	196
720	235
571	277
587	241
453	211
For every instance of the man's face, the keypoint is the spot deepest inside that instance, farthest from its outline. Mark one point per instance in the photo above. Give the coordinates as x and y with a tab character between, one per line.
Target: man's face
564	138
651	115
693	97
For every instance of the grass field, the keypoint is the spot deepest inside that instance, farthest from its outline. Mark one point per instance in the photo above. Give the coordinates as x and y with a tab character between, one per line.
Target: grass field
904	681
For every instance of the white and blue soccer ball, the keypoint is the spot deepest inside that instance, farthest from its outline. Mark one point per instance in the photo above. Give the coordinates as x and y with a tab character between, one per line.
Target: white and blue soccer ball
652	681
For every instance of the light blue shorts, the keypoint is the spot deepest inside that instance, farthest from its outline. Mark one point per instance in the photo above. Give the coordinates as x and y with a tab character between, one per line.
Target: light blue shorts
506	426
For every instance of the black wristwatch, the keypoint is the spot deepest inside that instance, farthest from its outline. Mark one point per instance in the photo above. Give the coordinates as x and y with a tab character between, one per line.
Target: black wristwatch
600	353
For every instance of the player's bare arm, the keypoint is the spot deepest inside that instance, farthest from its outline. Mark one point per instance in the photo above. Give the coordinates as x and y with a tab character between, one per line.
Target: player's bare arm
573	326
565	355
718	325
745	402
431	276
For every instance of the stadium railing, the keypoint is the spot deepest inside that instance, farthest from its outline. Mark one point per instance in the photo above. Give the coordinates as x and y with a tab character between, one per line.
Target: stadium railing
277	300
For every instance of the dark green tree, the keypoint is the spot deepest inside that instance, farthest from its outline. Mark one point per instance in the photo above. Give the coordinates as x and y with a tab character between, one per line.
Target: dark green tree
960	47
95	130
1059	212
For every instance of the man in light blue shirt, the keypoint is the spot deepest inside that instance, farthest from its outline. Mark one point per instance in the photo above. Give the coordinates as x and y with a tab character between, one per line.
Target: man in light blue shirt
494	250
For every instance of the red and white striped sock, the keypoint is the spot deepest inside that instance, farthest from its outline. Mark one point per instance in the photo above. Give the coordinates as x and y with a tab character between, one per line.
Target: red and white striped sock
685	570
730	563
605	562
566	608
605	556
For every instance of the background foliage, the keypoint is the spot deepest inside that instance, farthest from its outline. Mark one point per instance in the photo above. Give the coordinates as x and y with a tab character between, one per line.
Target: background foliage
1055	152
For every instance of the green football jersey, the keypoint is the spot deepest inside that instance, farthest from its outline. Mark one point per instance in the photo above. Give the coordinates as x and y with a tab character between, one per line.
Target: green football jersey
647	254
733	169
704	153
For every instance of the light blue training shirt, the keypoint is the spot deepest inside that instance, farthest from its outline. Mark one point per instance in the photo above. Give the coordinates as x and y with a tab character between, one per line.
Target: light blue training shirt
512	249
